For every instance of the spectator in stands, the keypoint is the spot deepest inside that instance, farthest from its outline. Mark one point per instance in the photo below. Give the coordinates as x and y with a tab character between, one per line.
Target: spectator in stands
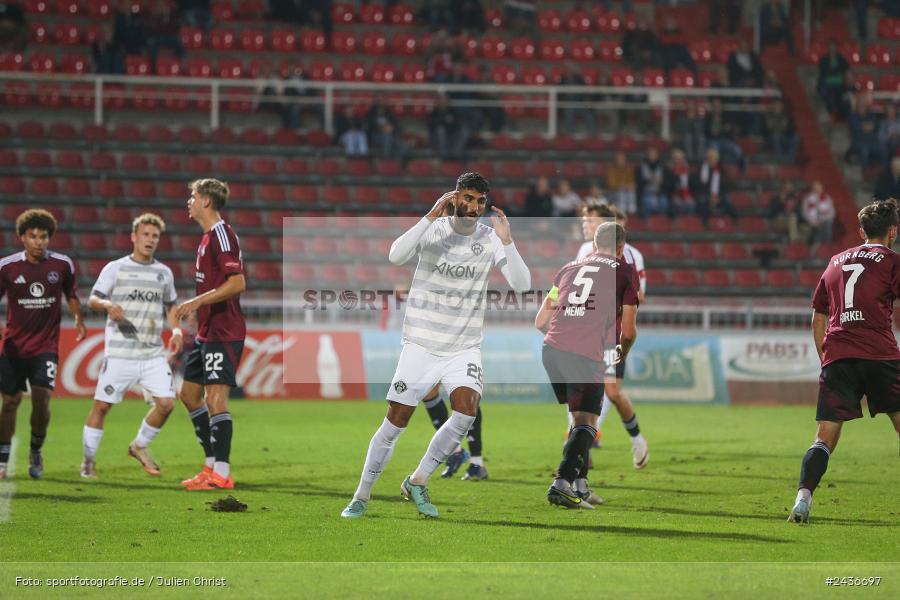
317	14
13	28
744	68
861	10
621	184
269	91
721	132
440	56
888	184
712	196
520	15
679	185
196	13
673	48
350	133
833	69
130	33
690	132
571	115
539	200
594	195
108	58
864	144
730	10
819	213
650	176
640	47
469	16
784	212
565	201
447	131
781	138
296	89
164	32
382	129
889	130
493	114
774	26
438	14
461	100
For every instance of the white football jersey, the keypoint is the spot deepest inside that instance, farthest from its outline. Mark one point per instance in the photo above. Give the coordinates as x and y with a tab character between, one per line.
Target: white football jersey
632	256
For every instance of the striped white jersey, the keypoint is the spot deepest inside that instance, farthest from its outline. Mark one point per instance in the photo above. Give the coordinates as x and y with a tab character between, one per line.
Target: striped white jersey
144	291
445	307
632	256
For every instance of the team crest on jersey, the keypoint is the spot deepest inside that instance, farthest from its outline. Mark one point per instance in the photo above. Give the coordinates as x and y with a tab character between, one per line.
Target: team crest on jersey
109	390
400	387
36	289
159	277
52	276
477	248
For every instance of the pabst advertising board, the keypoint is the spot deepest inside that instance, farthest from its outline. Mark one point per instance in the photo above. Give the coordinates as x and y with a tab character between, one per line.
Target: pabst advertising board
268	355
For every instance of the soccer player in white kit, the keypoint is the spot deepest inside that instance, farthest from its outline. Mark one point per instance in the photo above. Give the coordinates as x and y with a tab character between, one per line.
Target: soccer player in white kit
592	216
138	294
442	329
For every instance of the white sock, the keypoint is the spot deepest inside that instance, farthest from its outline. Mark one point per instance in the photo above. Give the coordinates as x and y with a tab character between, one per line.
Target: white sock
442	444
571	420
638	438
603	411
380	449
90	438
477	460
145	435
210	461
804	494
221	468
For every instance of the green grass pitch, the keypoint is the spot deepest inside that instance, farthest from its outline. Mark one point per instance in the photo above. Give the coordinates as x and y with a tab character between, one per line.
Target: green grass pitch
716	494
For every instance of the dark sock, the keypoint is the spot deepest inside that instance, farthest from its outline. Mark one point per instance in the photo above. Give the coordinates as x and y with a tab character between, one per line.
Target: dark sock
5	450
200	418
575	452
632	426
37	441
437	411
220	429
813	466
474	435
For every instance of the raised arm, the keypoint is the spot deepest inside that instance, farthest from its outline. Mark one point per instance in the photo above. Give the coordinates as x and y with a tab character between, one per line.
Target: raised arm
404	247
514	269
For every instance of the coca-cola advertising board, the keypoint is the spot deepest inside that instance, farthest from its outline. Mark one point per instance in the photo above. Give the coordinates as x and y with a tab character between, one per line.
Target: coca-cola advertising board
268	355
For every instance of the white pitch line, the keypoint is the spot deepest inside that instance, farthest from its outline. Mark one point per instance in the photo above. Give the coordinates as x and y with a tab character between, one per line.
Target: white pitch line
8	486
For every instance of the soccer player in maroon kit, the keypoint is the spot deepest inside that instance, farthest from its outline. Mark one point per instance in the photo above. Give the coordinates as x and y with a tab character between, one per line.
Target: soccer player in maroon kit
853	305
212	364
580	349
34	281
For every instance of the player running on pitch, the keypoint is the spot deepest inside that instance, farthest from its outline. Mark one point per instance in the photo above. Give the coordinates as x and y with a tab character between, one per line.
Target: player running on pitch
582	327
135	292
442	330
853	305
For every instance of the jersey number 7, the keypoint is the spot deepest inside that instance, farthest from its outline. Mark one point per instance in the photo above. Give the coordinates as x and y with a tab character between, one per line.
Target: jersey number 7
855	271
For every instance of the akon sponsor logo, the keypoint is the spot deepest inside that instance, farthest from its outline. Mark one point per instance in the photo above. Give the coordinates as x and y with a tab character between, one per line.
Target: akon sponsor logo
145	296
457	271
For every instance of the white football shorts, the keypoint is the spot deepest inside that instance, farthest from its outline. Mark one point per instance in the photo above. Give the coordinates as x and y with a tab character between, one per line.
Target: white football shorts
418	371
118	375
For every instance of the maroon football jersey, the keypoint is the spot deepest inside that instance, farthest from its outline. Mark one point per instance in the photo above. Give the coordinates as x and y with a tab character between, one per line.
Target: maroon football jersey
857	292
588	312
219	257
33	298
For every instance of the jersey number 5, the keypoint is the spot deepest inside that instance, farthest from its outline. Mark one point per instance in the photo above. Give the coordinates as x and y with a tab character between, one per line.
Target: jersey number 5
855	271
585	283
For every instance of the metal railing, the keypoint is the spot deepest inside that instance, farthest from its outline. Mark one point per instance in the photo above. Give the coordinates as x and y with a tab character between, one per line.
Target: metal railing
217	91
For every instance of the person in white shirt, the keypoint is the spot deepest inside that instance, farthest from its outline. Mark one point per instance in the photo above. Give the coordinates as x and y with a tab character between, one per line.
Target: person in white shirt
819	213
137	292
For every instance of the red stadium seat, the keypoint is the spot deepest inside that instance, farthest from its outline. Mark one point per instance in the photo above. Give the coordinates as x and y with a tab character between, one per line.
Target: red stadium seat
747	278
412	73
735	251
809	279
38	6
39	33
372	14
230	165
658	224
522	48
889	28
312	41
322	71
198	67
66	34
583	50
246	218
263	166
780	278
533	75
8	158
41	63
653	78
578	21
879	54
49	94
404	44
342	13
92	241
493	47
222	10
622	77
703	251
266	271
400	14
796	251
685	278
671	250
682	78
191	38
374	42
335	195
384	73
552	49
353	70
689	224
135	162
303	194
78	188
716	278
99	9
44	187
12	186
102	161
549	20
230	68
253	40
721	225
70	8
223	39
141	189
344	42
284	40
323	246
503	74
